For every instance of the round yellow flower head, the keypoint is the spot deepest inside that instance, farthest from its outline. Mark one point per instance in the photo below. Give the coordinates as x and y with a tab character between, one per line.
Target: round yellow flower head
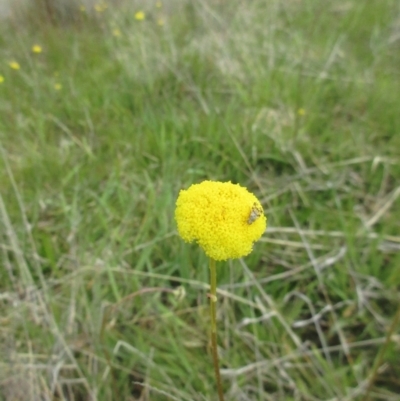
36	49
225	219
140	16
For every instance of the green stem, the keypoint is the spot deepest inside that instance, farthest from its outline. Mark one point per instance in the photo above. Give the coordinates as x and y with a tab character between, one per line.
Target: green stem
213	313
381	353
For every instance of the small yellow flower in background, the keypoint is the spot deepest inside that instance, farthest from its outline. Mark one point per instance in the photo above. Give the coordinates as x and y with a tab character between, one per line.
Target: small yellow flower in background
100	7
301	112
14	65
158	4
140	16
116	32
160	22
225	219
82	8
57	86
1	79
36	49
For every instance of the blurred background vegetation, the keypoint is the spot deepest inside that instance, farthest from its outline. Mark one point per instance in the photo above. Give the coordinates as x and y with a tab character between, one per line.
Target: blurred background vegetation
108	109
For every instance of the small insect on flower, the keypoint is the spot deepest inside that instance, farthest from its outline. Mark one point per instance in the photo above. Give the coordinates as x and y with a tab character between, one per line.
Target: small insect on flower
255	213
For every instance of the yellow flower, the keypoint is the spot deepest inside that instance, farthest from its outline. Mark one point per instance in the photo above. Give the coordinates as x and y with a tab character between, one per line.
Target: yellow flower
82	8
160	22
116	32
14	65
158	4
36	49
225	219
1	79
301	112
140	16
100	7
57	86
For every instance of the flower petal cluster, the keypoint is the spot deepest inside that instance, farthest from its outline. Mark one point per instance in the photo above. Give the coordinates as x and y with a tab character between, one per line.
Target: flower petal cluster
225	219
14	65
140	16
37	49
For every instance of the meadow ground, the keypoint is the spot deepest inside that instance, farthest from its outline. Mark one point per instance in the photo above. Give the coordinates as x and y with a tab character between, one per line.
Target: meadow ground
118	108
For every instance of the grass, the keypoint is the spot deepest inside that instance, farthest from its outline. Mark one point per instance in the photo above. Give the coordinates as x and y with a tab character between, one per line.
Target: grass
99	297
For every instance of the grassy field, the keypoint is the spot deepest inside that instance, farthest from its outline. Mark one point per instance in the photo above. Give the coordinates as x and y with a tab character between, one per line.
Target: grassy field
118	108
